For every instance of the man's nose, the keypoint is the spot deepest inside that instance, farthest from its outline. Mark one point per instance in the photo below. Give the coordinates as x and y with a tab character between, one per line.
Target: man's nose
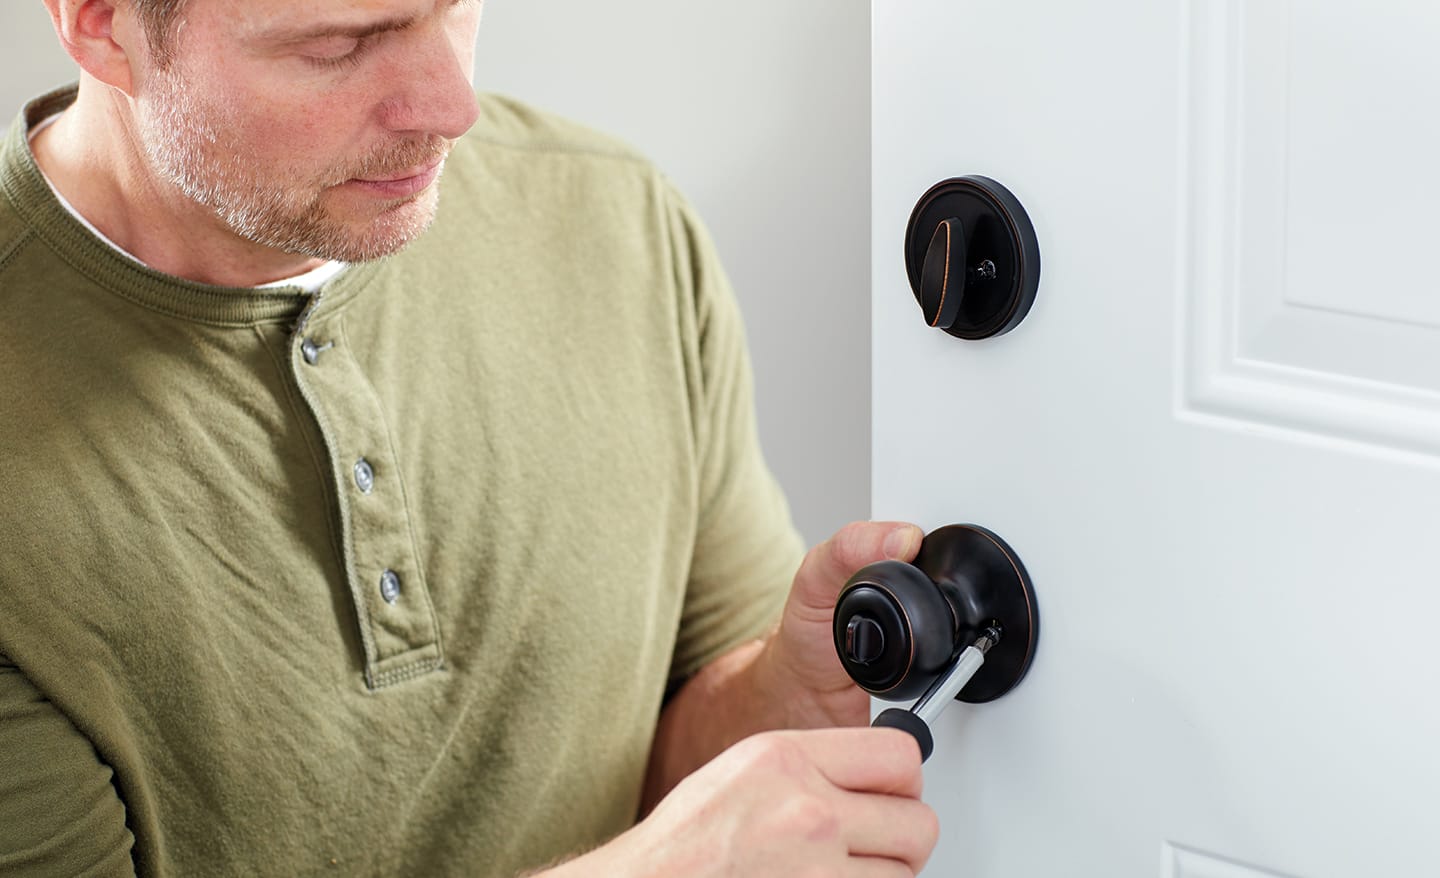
434	94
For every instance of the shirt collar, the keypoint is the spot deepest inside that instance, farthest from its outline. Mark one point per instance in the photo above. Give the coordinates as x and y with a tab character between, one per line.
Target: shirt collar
31	197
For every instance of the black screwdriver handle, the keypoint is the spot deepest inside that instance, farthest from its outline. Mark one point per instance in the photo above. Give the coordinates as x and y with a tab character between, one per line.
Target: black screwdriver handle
899	718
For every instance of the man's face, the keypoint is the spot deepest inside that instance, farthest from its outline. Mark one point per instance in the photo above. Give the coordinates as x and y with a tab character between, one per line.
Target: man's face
317	128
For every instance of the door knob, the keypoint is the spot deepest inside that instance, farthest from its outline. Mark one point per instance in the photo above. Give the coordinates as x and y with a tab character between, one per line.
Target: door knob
960	622
972	257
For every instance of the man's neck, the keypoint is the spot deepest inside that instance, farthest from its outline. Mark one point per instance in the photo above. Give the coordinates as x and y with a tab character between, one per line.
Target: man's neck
93	157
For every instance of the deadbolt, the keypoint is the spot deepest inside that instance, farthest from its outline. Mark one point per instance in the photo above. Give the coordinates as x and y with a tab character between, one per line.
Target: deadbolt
972	257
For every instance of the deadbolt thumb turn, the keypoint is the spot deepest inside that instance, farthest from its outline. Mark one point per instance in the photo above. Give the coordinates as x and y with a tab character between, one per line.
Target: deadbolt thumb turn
961	623
972	257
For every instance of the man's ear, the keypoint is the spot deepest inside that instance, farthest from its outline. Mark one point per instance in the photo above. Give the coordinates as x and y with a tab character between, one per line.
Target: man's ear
103	36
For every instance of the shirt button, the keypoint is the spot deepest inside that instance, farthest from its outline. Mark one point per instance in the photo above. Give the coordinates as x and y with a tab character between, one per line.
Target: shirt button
364	476
312	351
390	586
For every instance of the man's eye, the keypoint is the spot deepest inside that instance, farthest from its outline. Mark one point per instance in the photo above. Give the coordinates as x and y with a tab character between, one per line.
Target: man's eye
336	53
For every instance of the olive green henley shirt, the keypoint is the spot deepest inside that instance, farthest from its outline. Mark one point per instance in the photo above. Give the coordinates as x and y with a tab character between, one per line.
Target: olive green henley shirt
389	579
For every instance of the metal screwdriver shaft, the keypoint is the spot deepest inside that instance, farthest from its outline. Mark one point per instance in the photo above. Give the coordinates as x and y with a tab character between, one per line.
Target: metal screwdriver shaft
948	685
927	709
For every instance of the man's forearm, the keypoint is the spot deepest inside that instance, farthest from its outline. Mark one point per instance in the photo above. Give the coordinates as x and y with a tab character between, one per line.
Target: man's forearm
742	692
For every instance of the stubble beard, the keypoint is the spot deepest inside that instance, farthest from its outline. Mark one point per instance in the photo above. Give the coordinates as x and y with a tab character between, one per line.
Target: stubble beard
285	207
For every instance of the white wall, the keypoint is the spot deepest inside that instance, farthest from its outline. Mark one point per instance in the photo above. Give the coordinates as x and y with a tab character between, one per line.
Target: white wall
31	60
759	110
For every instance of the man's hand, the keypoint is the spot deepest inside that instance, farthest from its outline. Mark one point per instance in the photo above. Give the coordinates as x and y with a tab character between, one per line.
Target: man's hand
810	802
792	679
824	802
799	660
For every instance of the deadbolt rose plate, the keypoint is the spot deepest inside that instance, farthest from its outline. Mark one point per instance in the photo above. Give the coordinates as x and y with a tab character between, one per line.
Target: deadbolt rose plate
998	270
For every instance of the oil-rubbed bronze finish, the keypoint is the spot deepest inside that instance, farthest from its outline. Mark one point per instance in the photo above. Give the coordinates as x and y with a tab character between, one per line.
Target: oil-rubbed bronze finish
972	258
964	582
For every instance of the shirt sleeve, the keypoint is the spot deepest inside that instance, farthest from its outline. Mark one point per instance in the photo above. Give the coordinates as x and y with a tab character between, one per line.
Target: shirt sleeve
746	547
59	811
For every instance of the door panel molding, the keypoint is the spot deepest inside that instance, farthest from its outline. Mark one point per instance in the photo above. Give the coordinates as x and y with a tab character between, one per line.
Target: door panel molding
1347	354
1183	862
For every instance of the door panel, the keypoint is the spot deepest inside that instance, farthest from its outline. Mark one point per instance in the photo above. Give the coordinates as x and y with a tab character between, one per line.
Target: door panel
1308	193
1215	441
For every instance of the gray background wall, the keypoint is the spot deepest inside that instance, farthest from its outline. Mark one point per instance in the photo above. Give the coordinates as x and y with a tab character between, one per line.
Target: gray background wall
759	110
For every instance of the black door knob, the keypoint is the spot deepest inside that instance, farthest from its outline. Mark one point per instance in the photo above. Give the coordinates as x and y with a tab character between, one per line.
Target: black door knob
898	626
972	257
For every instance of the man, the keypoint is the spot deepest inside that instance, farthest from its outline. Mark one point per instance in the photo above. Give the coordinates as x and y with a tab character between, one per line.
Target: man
335	547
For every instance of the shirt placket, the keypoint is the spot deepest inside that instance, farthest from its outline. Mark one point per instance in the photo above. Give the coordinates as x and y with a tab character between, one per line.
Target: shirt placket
399	631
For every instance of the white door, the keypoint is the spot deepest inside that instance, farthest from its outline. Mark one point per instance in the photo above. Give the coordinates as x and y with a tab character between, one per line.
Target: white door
1215	442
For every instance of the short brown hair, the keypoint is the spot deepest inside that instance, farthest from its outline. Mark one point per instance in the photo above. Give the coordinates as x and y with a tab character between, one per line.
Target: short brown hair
160	19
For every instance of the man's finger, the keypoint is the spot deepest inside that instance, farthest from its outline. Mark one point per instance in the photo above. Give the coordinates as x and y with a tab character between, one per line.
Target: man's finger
829	564
892	827
864	759
876	867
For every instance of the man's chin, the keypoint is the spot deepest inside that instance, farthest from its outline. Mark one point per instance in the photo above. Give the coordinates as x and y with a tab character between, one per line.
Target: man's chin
396	227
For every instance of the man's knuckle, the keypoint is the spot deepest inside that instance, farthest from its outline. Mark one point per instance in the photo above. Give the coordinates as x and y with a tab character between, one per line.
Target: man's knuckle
852	545
916	835
928	825
770	753
809	817
747	752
